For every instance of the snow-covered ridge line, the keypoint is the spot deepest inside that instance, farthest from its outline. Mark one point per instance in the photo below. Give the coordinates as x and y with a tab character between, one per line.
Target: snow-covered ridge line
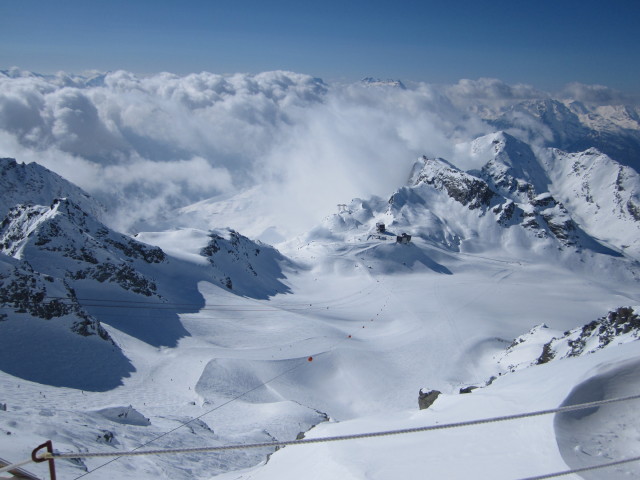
542	344
146	144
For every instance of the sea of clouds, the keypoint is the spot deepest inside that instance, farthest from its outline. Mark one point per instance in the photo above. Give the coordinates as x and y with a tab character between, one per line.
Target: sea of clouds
146	145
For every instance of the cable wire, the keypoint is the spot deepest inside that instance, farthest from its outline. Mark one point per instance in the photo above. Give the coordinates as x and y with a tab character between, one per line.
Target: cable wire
357	436
135	452
583	469
15	466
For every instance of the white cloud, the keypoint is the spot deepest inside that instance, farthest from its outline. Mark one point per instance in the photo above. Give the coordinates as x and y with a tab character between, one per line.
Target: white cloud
596	94
163	137
359	142
147	144
491	91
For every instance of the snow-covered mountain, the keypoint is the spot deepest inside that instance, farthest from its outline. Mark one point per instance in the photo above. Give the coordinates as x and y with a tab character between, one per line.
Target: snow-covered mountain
574	126
62	265
507	205
200	335
542	344
32	184
377	82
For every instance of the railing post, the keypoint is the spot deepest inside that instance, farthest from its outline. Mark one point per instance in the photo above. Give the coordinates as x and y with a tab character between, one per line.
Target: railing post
46	458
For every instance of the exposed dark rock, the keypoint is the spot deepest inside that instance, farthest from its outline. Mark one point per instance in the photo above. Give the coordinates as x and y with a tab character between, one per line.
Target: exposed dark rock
427	397
134	249
212	247
547	354
25	291
618	326
468	389
124	275
462	187
243	265
616	323
505	212
107	436
633	209
562	228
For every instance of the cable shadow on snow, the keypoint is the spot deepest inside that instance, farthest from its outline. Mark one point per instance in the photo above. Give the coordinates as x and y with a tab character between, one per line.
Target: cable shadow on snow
602	434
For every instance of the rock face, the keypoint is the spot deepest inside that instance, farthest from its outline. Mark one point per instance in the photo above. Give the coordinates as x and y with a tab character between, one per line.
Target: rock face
464	188
62	270
244	266
64	241
514	191
24	291
617	327
542	345
33	184
47	336
426	398
54	256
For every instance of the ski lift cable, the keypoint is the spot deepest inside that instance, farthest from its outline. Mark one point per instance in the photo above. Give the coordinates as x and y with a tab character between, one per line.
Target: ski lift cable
15	466
237	397
217	407
357	436
210	307
333	301
583	469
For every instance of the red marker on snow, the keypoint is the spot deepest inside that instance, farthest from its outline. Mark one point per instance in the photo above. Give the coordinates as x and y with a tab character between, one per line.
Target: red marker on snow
310	359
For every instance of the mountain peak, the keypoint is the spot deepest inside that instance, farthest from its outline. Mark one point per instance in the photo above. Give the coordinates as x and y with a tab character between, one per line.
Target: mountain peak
33	184
376	82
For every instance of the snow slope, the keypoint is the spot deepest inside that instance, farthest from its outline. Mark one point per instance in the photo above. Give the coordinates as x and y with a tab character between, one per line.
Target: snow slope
218	339
35	185
408	330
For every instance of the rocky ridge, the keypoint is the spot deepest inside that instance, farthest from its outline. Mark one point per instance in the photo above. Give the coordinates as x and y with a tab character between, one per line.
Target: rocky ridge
514	189
542	345
64	241
244	266
33	184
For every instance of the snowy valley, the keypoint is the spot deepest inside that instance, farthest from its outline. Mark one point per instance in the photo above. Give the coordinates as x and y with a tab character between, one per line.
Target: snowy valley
508	268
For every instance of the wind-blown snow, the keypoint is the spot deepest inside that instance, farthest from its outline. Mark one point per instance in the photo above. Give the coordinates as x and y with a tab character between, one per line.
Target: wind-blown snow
148	144
165	141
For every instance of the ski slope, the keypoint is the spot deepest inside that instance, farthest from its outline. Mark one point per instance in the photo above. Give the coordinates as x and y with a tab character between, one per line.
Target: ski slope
377	331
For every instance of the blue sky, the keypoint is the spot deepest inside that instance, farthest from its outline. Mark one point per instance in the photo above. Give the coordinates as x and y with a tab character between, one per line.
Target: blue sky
543	43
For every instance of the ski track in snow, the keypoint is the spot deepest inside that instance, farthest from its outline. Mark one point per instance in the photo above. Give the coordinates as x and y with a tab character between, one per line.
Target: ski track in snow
409	331
340	335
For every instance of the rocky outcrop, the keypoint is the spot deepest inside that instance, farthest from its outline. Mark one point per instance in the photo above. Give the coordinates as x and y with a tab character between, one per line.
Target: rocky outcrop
618	326
244	266
464	188
65	242
427	397
542	345
33	184
24	291
507	187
